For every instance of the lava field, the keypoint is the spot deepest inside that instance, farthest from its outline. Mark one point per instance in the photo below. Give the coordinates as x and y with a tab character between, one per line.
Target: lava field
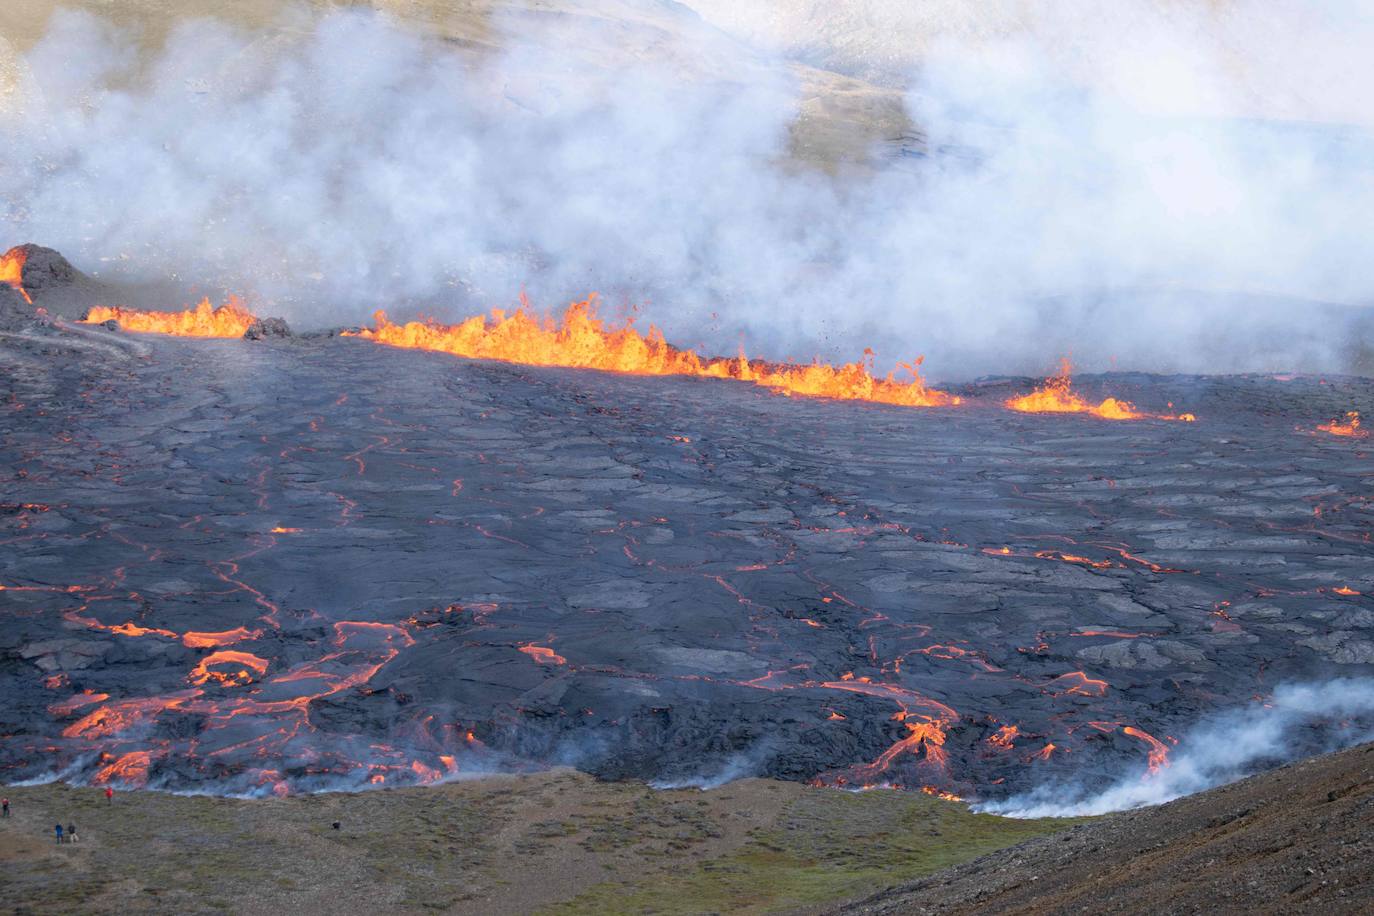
281	565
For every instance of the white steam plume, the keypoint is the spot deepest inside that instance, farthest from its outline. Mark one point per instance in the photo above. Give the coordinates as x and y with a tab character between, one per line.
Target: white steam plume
1298	720
1168	186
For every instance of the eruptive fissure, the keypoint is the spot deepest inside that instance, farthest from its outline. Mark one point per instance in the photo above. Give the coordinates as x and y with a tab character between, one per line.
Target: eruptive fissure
1056	395
228	320
582	340
12	271
1348	427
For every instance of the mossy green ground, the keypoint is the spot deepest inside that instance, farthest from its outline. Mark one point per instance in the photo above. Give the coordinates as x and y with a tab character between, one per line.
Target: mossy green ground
825	847
554	842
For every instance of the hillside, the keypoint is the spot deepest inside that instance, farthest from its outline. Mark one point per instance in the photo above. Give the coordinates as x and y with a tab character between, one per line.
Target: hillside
551	842
1293	840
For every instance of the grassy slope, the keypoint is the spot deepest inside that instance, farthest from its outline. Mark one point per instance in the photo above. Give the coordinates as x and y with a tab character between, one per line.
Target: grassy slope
557	841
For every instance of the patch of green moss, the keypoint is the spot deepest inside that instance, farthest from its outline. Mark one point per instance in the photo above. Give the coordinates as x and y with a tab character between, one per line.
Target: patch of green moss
829	846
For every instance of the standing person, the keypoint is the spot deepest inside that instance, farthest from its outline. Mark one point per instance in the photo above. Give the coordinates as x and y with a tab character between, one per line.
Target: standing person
59	833
5	806
109	794
71	833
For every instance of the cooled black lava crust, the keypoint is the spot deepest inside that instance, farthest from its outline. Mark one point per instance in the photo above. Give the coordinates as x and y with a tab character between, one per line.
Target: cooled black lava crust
236	567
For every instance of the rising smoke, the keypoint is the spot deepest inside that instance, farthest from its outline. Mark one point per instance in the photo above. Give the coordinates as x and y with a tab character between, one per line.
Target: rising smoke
1298	720
1157	185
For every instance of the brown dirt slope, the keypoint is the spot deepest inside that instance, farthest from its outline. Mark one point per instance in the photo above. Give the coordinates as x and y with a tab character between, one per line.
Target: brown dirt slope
1295	840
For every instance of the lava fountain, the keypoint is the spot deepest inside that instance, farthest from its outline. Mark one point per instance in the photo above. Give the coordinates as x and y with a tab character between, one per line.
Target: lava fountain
1350	427
228	320
1056	395
12	271
581	340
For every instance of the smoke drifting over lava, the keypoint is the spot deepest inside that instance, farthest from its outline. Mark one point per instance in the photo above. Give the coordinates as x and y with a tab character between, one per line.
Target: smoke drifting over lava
1298	720
1149	188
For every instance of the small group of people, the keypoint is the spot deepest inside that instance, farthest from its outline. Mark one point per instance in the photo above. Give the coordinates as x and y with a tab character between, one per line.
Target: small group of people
62	834
67	834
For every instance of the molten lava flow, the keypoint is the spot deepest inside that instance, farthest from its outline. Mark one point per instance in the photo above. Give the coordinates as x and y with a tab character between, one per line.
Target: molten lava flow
1159	751
229	320
228	668
131	768
1056	395
1004	737
583	341
1350	428
223	638
12	271
1076	683
543	655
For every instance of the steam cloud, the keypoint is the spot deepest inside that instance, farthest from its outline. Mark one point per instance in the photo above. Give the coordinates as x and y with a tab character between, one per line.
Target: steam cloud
1299	720
1153	185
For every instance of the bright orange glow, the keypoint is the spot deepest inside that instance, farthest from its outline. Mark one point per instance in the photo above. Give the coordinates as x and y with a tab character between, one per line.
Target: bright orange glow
131	768
228	668
543	655
223	638
1350	428
1345	590
229	320
1159	751
1056	395
582	340
12	271
1004	737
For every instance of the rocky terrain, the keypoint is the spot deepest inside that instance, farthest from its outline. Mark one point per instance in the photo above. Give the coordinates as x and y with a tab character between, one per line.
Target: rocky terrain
308	563
1295	840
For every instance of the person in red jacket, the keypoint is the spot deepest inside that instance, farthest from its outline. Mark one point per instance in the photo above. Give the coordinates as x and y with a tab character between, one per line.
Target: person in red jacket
109	794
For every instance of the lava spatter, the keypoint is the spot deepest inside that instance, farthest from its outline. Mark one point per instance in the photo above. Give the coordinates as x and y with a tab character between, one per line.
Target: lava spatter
12	271
228	320
1056	395
580	339
1348	427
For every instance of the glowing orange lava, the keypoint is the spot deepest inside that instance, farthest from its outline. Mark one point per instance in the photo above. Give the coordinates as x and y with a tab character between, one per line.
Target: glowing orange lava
228	668
1159	751
1005	737
544	655
229	320
223	638
131	768
1076	683
582	340
1056	395
1350	428
12	271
